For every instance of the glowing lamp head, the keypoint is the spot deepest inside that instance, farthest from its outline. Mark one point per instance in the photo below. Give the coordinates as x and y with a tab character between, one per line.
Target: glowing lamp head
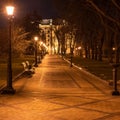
10	10
35	38
79	48
113	48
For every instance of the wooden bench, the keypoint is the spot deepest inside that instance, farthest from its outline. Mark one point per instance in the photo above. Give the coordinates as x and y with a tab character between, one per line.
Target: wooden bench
39	59
28	69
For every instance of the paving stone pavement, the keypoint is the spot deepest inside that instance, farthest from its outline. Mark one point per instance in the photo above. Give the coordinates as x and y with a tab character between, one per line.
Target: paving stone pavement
58	92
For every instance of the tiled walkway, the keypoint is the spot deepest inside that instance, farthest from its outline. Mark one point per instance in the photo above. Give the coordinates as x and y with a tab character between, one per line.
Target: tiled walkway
58	92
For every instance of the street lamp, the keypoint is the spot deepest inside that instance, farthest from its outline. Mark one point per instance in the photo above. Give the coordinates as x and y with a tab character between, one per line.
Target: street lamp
115	66
9	89
79	48
36	39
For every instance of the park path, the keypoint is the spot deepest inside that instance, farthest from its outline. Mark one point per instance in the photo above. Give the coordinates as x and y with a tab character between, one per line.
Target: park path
58	92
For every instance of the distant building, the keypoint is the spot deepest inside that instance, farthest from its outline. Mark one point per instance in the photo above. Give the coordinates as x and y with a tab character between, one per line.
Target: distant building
50	38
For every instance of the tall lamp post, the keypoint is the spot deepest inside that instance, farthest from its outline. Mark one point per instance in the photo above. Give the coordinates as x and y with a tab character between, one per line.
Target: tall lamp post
36	39
115	66
51	39
9	89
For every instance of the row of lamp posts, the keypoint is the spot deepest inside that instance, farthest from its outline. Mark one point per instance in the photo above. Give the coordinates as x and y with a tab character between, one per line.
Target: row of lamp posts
9	88
38	57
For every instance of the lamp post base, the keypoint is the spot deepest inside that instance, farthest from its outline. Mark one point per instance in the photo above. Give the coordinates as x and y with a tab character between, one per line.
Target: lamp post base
8	90
116	93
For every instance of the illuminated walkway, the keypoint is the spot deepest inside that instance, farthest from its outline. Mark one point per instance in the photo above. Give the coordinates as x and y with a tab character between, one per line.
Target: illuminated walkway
58	92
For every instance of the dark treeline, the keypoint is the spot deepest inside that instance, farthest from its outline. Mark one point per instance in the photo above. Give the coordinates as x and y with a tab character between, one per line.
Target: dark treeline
95	24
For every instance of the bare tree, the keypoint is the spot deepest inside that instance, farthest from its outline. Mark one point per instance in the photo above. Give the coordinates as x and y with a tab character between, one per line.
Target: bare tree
19	42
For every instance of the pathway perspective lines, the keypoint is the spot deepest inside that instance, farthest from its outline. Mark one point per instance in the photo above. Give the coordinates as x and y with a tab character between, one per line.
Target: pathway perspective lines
58	92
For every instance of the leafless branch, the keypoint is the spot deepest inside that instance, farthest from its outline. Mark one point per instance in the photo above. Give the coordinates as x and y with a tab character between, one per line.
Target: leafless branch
116	5
102	12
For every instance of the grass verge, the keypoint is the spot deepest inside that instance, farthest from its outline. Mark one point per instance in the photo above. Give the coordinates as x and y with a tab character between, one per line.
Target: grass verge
102	69
17	67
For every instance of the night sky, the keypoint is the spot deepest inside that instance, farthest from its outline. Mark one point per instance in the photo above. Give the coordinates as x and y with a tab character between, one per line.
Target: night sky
45	8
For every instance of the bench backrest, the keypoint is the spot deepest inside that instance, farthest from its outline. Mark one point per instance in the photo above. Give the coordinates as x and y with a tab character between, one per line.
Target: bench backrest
27	63
24	65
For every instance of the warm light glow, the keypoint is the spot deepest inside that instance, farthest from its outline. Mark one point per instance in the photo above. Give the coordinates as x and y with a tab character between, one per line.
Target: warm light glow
83	56
55	48
113	49
35	38
45	46
80	68
79	48
41	43
10	10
